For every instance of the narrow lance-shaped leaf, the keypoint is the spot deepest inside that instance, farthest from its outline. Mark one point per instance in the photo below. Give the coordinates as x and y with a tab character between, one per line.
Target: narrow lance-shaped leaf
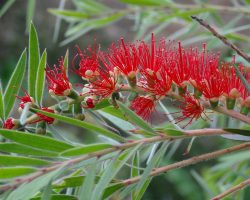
9	160
6	6
11	172
34	57
10	147
83	124
14	84
28	190
66	61
89	183
31	4
145	178
86	149
242	78
111	170
2	116
41	77
37	141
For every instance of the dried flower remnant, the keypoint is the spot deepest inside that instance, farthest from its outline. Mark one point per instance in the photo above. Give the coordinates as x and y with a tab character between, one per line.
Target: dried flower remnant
143	106
58	82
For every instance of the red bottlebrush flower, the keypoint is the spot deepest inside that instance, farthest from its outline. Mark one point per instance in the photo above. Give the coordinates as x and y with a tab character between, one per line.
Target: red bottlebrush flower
232	81
42	117
191	108
8	124
124	57
90	103
104	84
151	57
25	99
178	66
143	106
158	83
88	65
58	82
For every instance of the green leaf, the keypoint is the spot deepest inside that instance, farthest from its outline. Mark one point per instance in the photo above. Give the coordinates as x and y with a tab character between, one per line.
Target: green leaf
111	189
30	12
103	104
14	84
40	78
11	172
28	190
6	160
89	182
6	6
47	192
135	119
66	61
34	57
111	170
135	170
25	150
85	150
91	7
69	14
115	112
145	2
86	26
244	132
1	102
58	197
169	131
37	141
145	178
83	124
242	78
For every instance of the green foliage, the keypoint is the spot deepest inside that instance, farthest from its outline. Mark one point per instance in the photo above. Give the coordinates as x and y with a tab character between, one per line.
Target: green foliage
62	164
14	85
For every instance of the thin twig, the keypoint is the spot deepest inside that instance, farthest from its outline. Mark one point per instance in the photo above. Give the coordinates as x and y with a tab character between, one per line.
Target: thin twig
190	161
232	190
115	148
222	38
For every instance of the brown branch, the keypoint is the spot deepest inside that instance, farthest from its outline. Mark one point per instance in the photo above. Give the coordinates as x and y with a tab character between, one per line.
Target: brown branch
190	161
222	38
98	154
232	190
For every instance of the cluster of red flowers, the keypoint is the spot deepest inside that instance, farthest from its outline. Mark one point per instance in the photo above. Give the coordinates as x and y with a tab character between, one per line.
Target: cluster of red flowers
153	71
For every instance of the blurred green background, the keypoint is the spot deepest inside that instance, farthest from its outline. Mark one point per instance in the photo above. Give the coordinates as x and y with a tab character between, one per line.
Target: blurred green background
63	24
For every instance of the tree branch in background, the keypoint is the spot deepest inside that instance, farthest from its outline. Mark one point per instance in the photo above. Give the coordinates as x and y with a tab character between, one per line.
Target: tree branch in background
222	38
232	190
190	161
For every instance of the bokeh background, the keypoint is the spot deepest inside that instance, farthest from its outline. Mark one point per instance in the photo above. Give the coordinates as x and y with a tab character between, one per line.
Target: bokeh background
83	22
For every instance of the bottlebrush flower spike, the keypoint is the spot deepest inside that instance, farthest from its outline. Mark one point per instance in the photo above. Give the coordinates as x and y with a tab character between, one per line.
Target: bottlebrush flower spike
158	83
126	58
58	82
152	57
25	99
88	65
104	84
143	106
178	66
9	123
42	117
191	108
